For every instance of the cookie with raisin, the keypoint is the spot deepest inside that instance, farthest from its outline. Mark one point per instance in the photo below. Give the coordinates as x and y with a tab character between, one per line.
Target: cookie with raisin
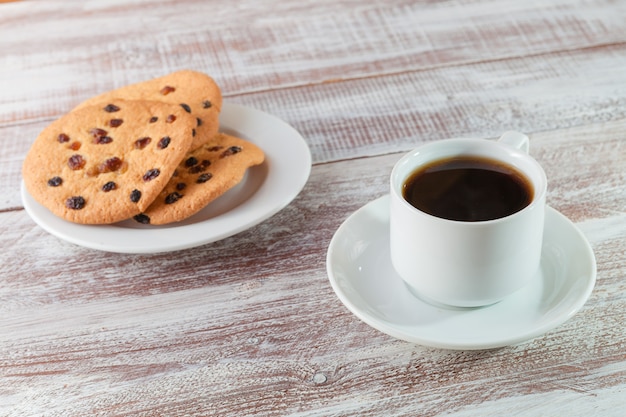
193	91
106	163
202	176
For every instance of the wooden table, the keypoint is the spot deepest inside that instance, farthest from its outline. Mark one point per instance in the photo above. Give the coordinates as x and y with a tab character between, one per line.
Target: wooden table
250	325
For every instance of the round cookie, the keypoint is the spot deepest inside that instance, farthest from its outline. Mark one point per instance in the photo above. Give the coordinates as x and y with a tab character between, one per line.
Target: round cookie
106	163
203	175
194	91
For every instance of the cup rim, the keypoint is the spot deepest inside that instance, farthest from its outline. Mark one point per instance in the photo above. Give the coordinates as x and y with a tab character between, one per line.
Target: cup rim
539	190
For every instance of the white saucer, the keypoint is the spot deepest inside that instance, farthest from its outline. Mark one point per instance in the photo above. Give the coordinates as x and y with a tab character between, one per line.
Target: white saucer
361	274
264	191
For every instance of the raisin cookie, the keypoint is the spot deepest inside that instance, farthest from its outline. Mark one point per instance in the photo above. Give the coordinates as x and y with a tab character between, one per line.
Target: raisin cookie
203	175
106	163
195	92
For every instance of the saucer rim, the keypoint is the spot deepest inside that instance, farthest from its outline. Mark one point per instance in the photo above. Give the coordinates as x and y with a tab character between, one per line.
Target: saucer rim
396	331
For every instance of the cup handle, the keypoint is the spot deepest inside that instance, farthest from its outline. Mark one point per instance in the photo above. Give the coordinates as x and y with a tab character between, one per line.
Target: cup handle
515	139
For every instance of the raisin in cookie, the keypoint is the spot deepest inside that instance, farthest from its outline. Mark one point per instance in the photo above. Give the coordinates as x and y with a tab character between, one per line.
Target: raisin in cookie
106	163
195	92
203	175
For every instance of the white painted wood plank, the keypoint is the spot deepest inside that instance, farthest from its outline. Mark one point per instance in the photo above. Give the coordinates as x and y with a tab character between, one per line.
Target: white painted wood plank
249	326
394	113
98	47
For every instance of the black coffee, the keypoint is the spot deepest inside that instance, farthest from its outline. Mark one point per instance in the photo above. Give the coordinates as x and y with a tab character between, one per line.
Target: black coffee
468	189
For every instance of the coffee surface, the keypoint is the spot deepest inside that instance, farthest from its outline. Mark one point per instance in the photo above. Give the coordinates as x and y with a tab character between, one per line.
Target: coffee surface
468	189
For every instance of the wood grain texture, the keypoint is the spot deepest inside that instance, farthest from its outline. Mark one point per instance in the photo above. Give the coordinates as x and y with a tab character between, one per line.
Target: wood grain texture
249	325
397	112
135	330
106	45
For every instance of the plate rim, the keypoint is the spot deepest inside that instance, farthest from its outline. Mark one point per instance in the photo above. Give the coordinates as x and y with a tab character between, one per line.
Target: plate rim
256	126
402	333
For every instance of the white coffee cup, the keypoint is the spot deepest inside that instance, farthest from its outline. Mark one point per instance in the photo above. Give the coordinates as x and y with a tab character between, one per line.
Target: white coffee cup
467	263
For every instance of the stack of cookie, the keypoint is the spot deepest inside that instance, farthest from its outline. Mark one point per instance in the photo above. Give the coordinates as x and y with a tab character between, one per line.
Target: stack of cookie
149	151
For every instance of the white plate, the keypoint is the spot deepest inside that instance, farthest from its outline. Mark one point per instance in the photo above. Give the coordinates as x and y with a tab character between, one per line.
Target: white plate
363	278
264	191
